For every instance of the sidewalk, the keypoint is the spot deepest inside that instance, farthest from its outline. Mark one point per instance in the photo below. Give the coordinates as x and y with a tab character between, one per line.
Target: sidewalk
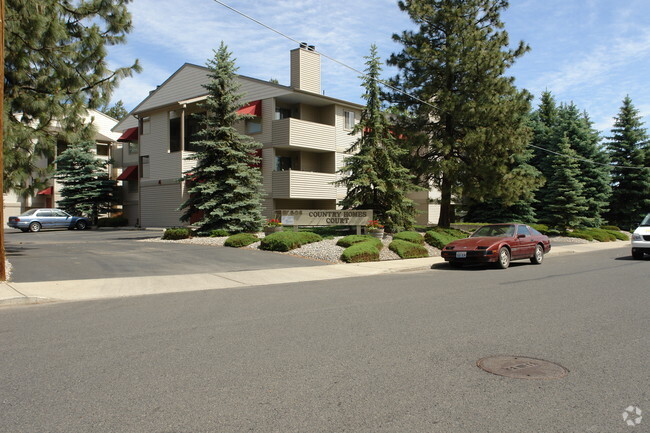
79	290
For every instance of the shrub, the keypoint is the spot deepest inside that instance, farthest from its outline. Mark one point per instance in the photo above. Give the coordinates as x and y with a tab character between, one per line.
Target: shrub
408	250
452	232
361	252
614	228
580	235
348	241
219	233
287	241
118	221
590	234
439	239
618	235
330	231
553	232
176	233
413	237
241	240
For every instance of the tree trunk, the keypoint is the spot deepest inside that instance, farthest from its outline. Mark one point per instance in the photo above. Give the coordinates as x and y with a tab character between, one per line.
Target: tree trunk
445	204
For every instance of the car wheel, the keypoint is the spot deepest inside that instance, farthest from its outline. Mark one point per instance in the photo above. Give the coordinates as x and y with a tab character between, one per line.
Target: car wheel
35	227
504	258
637	255
538	258
81	225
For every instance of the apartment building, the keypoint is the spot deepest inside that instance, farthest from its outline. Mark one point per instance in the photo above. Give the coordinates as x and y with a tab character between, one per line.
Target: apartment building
105	138
304	137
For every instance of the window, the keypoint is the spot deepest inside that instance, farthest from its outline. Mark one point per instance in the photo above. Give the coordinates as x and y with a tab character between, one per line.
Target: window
132	186
523	230
133	148
349	119
282	163
192	128
45	214
103	149
145	125
282	113
144	166
175	131
59	213
253	126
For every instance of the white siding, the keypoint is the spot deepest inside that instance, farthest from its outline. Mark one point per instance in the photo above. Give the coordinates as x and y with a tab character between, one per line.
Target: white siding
301	184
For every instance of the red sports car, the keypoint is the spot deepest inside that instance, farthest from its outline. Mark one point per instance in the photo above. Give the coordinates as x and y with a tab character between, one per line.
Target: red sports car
498	243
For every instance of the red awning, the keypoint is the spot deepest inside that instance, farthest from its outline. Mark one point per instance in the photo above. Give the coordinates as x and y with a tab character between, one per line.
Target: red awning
130	134
131	173
254	108
47	191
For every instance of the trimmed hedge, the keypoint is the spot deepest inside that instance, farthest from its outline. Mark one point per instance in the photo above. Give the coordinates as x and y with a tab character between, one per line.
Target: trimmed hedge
598	234
542	228
618	235
413	237
408	250
219	233
614	228
440	238
348	241
176	233
366	251
118	221
287	241
241	240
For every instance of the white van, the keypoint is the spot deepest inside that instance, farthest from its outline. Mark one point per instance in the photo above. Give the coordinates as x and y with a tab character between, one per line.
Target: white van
641	239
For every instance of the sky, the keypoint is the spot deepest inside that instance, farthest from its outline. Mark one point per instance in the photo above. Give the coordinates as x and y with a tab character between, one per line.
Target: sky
589	52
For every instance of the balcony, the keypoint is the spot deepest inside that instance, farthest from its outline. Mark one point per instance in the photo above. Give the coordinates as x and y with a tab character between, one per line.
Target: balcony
303	184
296	133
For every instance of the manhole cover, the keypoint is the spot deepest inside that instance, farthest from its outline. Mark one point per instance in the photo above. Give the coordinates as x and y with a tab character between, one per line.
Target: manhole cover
521	367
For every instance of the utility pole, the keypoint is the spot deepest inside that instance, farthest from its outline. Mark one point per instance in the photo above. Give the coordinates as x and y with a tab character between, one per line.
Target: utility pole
3	270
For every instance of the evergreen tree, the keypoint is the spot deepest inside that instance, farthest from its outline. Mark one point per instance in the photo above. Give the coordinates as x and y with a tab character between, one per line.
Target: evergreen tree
567	204
592	162
55	68
470	116
374	175
628	149
86	186
225	184
117	111
544	122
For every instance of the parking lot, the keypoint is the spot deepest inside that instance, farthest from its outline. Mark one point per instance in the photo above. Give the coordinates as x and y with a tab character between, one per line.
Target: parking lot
53	255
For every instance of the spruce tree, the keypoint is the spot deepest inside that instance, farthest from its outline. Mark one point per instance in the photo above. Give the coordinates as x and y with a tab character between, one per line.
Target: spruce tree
225	184
86	186
55	68
470	116
567	204
373	173
628	149
117	111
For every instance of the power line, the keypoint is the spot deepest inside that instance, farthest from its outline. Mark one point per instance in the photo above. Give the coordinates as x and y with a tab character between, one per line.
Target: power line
390	86
587	160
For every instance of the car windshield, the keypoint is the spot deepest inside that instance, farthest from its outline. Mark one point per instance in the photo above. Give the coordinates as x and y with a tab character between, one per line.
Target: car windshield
29	212
499	231
646	220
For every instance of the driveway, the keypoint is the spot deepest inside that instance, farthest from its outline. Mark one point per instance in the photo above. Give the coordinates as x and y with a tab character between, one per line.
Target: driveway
75	255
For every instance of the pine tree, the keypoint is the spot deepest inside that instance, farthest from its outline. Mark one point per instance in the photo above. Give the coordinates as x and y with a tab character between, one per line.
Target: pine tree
225	184
592	162
55	68
470	116
373	174
567	204
86	186
628	149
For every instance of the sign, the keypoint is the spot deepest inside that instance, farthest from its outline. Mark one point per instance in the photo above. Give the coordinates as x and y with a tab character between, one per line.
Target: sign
324	217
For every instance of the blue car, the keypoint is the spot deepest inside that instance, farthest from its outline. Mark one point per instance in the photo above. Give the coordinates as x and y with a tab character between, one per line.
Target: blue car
36	219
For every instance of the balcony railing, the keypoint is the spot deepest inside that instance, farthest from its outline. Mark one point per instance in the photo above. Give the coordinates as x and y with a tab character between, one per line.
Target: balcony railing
303	134
303	184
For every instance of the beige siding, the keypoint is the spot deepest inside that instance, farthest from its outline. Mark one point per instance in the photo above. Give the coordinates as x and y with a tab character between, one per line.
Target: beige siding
186	83
343	138
320	162
159	204
302	134
300	184
162	164
305	70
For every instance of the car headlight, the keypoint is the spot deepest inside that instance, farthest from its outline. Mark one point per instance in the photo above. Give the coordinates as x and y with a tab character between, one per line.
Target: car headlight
637	237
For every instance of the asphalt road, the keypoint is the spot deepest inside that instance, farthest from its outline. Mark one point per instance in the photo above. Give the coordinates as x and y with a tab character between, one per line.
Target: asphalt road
395	353
76	255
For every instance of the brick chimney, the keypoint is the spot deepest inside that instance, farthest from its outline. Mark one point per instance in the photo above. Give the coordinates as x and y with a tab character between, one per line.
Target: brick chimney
305	69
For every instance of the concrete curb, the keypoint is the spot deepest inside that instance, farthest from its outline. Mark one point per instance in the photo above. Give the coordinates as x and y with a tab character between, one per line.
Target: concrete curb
81	290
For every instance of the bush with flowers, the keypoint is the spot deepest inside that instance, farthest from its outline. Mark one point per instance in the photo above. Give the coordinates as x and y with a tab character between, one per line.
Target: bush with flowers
373	225
273	223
